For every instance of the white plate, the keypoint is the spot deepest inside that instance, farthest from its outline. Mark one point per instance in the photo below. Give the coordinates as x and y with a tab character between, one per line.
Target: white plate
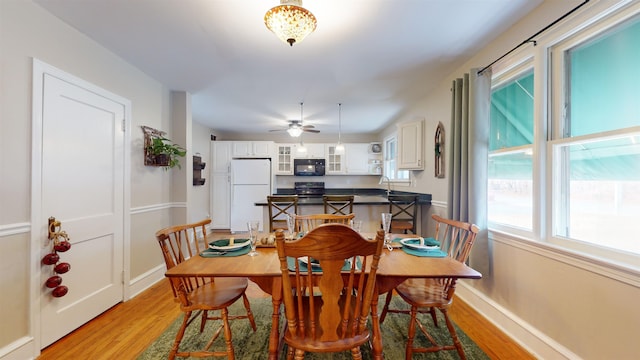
304	261
237	244
414	243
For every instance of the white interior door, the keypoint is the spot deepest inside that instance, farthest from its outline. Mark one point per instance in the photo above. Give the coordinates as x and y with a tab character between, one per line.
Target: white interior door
82	187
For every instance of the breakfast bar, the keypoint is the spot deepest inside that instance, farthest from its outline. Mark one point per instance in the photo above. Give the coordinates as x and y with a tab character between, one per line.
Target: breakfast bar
368	204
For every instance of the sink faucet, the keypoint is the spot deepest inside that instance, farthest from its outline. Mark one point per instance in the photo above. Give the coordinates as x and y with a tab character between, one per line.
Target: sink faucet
388	181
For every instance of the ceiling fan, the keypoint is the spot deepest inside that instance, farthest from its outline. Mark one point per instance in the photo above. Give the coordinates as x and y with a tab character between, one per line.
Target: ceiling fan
296	128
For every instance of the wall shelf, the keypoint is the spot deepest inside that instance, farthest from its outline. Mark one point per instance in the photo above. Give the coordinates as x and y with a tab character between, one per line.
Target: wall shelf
198	166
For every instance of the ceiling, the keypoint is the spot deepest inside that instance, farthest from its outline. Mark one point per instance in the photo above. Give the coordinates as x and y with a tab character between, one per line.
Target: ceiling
376	57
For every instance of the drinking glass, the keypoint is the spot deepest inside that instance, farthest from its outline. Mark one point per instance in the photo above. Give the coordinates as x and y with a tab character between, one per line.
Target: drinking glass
253	227
356	225
291	225
386	224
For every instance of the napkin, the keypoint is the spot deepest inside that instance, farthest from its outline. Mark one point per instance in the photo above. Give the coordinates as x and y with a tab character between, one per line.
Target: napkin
425	253
225	253
428	241
225	242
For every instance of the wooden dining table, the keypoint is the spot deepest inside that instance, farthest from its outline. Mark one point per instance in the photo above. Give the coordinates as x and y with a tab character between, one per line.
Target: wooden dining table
264	270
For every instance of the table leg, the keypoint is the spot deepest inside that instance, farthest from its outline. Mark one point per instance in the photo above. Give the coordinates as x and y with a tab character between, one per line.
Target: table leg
274	337
376	343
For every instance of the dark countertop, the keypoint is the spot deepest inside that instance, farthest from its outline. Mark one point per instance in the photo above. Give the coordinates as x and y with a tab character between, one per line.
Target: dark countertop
362	196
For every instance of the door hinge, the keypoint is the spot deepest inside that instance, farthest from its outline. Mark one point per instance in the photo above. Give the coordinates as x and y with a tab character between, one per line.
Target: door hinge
123	125
122	277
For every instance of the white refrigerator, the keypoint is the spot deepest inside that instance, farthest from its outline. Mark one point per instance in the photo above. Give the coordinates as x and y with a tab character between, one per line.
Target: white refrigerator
250	183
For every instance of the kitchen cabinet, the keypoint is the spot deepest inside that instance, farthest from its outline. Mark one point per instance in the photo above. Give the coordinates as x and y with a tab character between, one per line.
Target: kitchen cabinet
356	159
313	151
410	149
221	184
284	159
334	162
252	149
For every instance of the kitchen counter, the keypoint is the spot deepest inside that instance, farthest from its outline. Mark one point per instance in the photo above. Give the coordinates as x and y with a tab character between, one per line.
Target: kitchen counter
362	196
357	200
368	204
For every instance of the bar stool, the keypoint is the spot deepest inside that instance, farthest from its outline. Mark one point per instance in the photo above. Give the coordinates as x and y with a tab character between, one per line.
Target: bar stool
404	210
338	204
279	207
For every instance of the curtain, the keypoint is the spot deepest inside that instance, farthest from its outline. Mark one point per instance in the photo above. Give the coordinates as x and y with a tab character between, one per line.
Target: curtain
468	159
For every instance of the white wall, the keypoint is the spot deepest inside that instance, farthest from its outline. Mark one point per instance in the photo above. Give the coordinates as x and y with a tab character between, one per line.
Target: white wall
27	31
558	305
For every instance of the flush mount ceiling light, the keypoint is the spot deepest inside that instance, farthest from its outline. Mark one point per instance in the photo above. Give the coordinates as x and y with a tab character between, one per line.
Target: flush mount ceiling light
339	148
290	21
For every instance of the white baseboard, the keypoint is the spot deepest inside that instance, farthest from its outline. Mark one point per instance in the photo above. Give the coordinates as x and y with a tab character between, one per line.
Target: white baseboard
531	339
21	349
146	280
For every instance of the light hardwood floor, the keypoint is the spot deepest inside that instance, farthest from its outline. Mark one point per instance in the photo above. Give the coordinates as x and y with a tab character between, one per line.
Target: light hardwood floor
125	330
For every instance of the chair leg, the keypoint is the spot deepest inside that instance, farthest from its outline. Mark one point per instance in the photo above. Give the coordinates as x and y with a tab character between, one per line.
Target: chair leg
227	333
412	333
203	319
252	321
432	310
356	354
385	308
454	335
179	335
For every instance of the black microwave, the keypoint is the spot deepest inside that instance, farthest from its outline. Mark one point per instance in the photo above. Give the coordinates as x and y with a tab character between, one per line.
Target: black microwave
308	167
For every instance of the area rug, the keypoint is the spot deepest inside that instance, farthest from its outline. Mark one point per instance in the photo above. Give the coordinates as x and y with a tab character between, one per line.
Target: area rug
249	345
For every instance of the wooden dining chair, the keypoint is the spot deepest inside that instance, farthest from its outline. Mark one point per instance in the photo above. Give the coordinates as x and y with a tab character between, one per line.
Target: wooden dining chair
306	223
338	204
333	317
201	295
404	210
279	206
426	295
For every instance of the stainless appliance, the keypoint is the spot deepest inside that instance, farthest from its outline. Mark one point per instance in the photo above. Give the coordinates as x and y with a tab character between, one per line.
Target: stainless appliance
250	183
308	167
309	189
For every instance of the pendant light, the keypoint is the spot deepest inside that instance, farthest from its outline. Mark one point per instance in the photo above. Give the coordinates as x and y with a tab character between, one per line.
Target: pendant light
340	147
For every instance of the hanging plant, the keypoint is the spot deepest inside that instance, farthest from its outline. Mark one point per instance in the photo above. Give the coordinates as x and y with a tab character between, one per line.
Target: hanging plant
165	153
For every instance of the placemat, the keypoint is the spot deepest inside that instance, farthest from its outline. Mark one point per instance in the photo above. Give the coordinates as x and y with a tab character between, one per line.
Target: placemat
227	253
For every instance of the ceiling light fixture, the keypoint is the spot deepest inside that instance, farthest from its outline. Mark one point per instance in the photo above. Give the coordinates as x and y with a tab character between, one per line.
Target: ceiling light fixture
295	129
339	148
290	21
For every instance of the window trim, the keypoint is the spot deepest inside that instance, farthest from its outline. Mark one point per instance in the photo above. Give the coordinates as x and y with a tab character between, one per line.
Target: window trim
394	180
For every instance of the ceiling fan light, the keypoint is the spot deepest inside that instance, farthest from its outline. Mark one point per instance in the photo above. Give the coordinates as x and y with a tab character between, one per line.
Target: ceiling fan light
294	131
290	21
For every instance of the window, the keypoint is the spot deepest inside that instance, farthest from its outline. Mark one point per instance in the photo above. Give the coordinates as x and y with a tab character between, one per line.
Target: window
564	155
595	142
391	161
510	178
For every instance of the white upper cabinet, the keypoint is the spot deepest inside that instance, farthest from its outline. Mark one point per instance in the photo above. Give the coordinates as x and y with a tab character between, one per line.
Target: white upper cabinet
284	159
309	151
410	149
334	162
252	149
356	159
